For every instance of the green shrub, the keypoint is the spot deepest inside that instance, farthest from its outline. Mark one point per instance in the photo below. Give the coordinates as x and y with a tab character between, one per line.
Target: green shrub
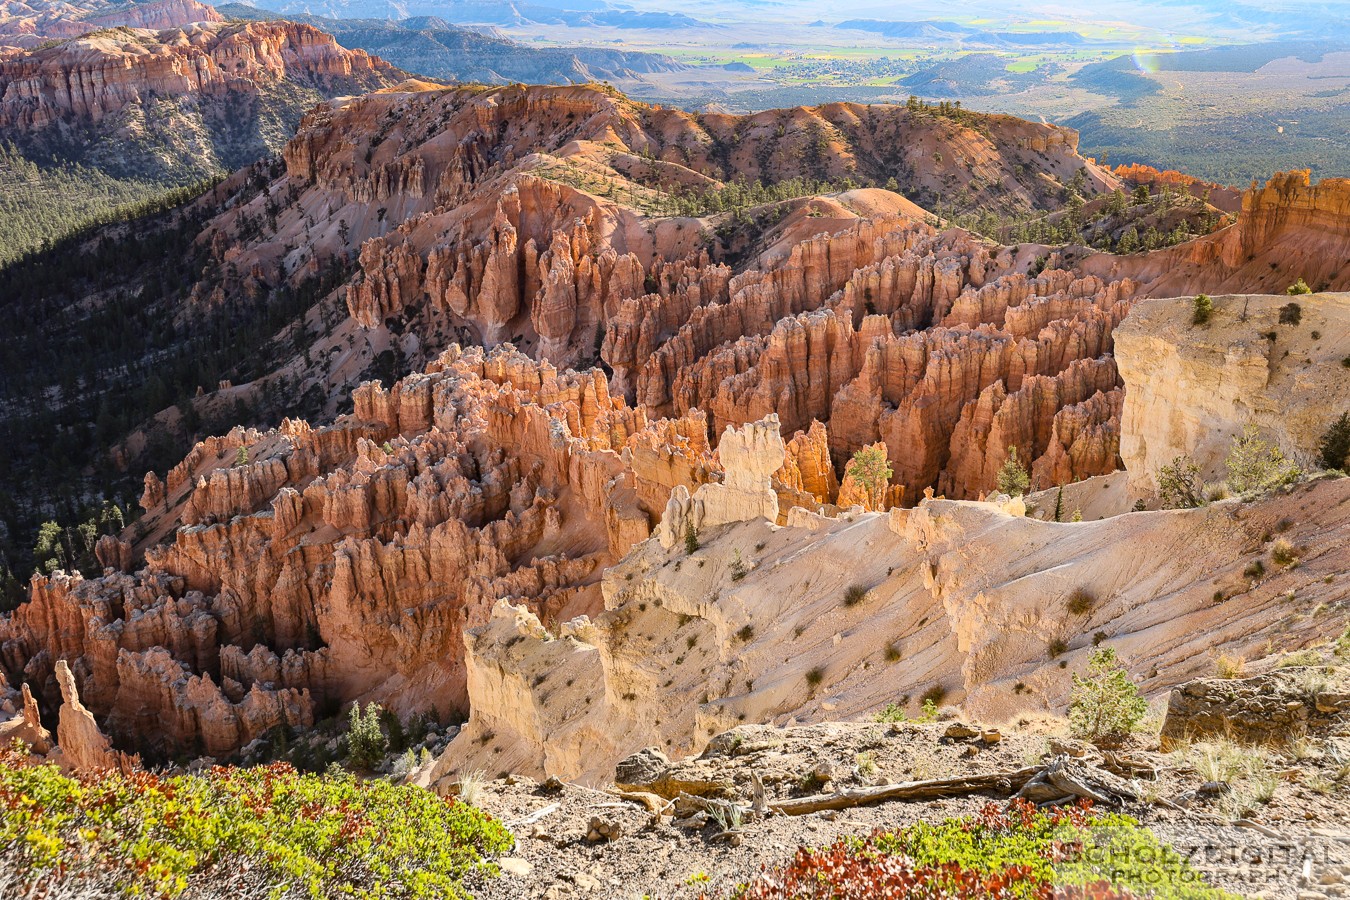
1106	700
366	744
311	835
870	469
1013	479
690	539
892	713
1179	485
1203	309
1256	465
1296	289
1334	448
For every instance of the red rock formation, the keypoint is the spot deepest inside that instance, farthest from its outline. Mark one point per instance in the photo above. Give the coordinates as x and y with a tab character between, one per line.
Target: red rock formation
30	23
83	746
26	726
93	77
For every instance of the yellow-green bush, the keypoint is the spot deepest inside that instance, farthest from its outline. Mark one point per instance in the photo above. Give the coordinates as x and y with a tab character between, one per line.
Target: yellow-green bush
326	835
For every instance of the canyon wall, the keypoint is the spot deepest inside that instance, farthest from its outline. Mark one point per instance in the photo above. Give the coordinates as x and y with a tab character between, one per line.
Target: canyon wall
1191	389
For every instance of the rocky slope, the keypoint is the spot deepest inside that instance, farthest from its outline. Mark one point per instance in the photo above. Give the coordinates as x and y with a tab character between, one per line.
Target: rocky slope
968	603
280	573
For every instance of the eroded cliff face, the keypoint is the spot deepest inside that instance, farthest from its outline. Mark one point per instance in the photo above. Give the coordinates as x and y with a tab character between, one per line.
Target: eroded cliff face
1191	389
93	77
969	599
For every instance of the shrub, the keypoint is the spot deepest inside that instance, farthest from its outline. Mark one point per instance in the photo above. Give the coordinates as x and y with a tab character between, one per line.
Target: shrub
1230	665
1202	309
1002	853
854	595
738	569
892	713
1255	570
366	744
892	653
814	676
871	470
1291	314
1056	648
745	634
1013	479
934	695
1334	448
303	835
690	539
1296	289
1179	485
1106	700
1080	602
1283	553
1256	465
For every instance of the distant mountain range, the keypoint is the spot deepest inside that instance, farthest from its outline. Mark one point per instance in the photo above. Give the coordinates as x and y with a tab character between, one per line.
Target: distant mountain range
574	14
935	30
429	45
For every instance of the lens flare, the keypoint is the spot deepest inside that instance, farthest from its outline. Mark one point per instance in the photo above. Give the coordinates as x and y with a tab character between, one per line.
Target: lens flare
1146	61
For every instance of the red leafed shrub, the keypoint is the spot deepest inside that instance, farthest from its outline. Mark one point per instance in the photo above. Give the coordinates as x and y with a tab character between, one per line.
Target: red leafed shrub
857	871
1013	852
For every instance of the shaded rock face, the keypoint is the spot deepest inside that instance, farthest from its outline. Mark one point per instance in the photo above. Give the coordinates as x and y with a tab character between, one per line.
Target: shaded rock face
1272	709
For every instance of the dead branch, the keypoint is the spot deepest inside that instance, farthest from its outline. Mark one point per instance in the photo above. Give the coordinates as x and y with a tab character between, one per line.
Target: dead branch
931	789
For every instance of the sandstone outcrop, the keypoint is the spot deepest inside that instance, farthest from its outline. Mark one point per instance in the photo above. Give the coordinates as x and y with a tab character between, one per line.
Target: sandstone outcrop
26	726
1190	389
1272	709
83	746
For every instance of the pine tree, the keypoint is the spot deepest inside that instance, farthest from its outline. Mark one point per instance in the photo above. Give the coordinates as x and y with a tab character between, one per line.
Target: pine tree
1013	479
1105	701
1335	446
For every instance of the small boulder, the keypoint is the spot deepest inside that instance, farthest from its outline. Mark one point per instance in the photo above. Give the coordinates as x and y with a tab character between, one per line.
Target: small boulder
641	770
960	731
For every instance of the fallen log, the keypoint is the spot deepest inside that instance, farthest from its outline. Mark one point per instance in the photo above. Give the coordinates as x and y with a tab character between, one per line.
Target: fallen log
929	789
